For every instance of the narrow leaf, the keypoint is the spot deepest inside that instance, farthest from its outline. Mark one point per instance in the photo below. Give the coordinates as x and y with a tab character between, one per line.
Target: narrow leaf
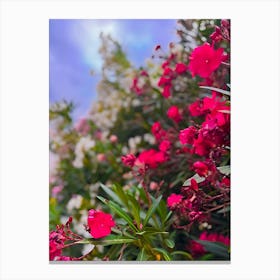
183	253
164	253
169	243
135	207
196	177
217	90
111	194
151	210
216	248
109	240
224	169
121	194
142	256
120	212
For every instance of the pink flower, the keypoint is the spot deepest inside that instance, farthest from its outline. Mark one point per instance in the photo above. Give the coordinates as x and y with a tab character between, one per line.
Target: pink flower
129	160
164	145
135	87
173	200
82	126
157	131
204	60
56	244
174	114
187	135
152	158
201	168
154	186
166	91
156	127
167	71
225	182
196	109
181	68
164	81
56	190
101	157
194	185
113	138
99	223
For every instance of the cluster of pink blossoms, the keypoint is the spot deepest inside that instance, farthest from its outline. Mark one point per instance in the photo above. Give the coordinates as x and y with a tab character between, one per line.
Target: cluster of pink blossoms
58	239
208	137
99	225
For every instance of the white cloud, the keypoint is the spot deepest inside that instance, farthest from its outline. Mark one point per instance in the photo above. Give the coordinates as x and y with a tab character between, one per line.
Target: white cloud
85	35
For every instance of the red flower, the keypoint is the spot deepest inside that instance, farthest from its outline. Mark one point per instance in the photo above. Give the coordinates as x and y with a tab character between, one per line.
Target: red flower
196	109
99	223
174	114
56	244
225	182
157	131
164	145
129	160
204	60
166	91
152	158
187	135
173	200
181	68
164	81
194	185
201	168
156	128
167	71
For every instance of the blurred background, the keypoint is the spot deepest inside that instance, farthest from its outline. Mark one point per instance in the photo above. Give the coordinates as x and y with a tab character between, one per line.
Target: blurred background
75	62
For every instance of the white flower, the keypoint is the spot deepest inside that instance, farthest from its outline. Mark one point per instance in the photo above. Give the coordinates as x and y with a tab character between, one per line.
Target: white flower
74	203
149	138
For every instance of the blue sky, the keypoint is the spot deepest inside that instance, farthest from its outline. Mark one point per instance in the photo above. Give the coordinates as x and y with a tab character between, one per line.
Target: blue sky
74	44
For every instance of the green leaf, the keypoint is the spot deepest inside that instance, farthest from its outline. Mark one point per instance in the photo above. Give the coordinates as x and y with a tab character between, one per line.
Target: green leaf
109	240
196	177
121	194
135	207
217	90
111	194
224	169
151	232
183	253
164	253
168	216
120	212
162	210
142	256
216	248
169	243
152	209
206	257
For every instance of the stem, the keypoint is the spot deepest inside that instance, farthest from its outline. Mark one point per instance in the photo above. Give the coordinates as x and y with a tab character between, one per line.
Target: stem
146	193
217	207
71	244
121	253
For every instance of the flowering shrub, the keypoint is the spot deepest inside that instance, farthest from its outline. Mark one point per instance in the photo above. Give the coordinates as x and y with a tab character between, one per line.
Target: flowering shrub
146	174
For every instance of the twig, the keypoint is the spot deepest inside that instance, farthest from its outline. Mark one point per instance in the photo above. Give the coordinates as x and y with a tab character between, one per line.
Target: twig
121	253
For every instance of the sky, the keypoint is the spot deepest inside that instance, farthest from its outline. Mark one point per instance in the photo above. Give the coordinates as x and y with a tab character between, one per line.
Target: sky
73	53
